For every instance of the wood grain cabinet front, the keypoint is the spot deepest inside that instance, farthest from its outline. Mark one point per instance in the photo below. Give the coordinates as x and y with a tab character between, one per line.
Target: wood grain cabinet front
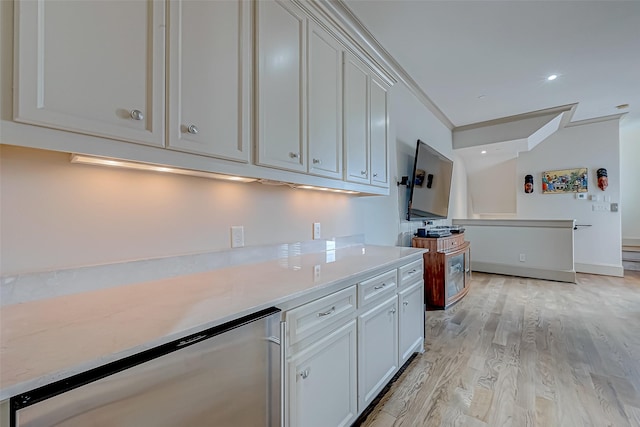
447	270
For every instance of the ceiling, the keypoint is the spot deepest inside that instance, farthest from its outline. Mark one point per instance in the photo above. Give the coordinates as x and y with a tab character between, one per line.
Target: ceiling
485	60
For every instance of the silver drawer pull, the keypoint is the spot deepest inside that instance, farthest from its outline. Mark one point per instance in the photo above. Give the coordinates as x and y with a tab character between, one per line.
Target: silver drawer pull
294	155
328	312
364	173
405	303
304	374
317	161
192	129
375	175
380	287
392	311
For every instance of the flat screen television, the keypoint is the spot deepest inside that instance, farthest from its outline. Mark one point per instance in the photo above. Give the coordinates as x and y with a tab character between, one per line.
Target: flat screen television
430	184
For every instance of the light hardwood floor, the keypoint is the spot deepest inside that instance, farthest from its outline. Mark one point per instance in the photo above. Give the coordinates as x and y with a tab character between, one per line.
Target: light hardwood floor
524	352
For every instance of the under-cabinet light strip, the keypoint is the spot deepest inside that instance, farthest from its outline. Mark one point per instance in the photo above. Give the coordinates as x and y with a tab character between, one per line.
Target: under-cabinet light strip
105	161
127	164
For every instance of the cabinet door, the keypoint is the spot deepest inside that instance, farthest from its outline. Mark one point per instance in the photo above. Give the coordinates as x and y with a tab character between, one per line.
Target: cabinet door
411	322
322	381
377	349
210	60
281	79
379	134
325	103
356	120
94	67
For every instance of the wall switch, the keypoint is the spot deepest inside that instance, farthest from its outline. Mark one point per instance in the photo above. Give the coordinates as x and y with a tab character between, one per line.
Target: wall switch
316	230
237	236
523	258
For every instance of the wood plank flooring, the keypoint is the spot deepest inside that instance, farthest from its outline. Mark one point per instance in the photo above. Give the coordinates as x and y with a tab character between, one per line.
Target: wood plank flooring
526	352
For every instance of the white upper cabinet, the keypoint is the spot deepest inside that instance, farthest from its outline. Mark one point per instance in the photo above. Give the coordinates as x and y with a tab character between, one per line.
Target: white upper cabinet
325	103
281	79
356	120
94	67
366	122
379	124
210	77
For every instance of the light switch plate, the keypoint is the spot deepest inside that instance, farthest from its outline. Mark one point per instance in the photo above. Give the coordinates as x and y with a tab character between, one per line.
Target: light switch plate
316	231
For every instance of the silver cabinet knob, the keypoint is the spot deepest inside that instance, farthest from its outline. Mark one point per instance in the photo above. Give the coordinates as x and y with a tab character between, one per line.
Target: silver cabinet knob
363	173
192	129
294	155
136	115
392	311
304	374
405	303
317	161
375	175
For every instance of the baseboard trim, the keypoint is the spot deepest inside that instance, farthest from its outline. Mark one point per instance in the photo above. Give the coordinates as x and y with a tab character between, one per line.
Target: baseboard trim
630	242
516	270
602	269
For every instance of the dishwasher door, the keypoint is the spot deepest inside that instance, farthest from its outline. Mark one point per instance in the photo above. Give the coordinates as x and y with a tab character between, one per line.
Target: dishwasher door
225	376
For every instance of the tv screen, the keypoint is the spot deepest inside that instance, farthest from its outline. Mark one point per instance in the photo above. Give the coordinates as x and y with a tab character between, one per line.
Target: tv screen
430	184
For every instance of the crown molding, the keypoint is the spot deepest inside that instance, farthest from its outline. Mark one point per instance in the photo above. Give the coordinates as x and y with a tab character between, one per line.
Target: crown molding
347	20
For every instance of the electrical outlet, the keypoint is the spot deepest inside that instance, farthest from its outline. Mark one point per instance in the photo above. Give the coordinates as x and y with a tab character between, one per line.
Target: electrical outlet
237	236
316	230
614	207
523	258
316	272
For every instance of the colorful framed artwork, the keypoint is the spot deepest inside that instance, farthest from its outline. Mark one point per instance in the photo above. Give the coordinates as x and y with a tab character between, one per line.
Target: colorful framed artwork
565	181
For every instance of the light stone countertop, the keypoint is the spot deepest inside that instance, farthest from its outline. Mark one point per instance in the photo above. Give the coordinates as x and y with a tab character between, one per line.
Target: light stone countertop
46	340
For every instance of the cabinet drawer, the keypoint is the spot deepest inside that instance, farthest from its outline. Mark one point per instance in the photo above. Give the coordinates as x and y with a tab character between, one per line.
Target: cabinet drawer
312	317
371	289
410	273
446	244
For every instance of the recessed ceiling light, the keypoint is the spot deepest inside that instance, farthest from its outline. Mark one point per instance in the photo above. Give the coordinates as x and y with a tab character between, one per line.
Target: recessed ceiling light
552	77
483	152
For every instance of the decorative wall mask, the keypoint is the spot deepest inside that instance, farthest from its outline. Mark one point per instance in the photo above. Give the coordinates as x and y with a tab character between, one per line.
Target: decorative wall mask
603	178
528	184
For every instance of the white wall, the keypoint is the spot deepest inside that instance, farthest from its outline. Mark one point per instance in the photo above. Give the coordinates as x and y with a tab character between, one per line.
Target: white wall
411	121
596	145
629	187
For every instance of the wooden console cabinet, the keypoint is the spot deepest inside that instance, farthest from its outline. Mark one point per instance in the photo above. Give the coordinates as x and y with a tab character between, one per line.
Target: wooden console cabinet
447	269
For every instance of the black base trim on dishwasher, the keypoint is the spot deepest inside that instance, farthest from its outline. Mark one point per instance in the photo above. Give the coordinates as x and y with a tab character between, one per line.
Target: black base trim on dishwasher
47	391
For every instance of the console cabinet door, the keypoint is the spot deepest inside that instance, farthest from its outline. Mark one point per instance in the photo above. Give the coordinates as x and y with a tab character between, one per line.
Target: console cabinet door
93	67
325	103
281	79
411	322
322	381
210	76
377	349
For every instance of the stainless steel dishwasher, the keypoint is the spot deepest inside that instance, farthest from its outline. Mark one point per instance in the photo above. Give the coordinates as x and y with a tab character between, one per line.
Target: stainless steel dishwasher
228	375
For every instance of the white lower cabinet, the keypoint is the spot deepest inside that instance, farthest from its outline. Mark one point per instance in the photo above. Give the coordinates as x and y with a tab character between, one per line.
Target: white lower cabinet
344	348
377	349
322	381
411	320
